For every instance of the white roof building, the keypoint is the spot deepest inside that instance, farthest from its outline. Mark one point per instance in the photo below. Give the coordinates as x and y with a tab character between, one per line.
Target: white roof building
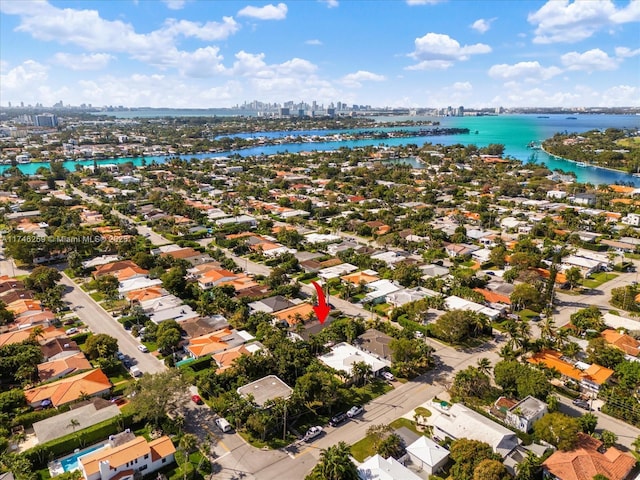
459	421
137	283
616	321
321	238
427	455
336	271
342	357
456	303
377	468
379	290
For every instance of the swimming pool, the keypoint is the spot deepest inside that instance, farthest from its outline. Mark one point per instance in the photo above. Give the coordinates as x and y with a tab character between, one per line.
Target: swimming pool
71	462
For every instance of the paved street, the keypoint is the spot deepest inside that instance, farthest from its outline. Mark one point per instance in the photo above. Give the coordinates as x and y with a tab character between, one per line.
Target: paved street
99	321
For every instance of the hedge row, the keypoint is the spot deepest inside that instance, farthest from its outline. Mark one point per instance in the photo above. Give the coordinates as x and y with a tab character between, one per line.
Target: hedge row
41	454
29	418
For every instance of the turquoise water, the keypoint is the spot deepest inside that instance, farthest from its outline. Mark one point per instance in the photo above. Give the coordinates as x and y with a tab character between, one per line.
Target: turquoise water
71	463
514	131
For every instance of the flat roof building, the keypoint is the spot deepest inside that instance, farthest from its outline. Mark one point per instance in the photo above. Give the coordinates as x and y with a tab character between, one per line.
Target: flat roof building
265	389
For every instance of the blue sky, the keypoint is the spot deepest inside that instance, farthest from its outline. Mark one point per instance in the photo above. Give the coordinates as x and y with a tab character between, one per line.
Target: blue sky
409	53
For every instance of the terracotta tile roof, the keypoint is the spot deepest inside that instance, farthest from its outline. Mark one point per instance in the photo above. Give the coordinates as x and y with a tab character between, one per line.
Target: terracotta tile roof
63	366
70	389
114	267
290	314
216	275
24	305
493	297
20	336
187	252
225	359
624	342
144	294
242	282
357	277
552	359
127	452
585	462
209	343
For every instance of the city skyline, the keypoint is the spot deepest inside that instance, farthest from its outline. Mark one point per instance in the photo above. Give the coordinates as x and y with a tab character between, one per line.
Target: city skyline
413	53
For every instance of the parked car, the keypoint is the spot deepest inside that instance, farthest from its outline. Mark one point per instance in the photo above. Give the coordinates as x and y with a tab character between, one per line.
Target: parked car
312	433
223	425
143	348
72	330
196	399
388	376
120	356
338	419
127	363
355	411
579	402
135	372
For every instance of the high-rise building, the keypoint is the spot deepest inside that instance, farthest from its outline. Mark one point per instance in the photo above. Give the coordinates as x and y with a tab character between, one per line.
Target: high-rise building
45	120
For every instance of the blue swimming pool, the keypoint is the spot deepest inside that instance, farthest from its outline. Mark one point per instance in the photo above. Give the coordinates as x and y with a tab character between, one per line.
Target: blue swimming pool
71	462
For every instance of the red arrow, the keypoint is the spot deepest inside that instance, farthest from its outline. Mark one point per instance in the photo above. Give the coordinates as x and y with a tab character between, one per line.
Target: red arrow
322	309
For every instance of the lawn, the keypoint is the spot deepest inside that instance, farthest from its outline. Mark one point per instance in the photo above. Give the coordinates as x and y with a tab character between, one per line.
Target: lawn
362	395
527	314
97	296
596	279
363	449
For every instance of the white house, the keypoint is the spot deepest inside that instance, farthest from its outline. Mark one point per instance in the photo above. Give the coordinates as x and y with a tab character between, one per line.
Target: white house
342	357
459	421
525	413
377	468
133	458
556	194
427	455
379	290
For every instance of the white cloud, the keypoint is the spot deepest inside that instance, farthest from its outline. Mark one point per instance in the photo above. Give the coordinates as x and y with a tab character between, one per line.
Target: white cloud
174	4
621	96
268	12
462	86
93	61
23	76
531	71
201	63
625	52
590	60
439	51
561	21
355	79
209	31
331	3
482	25
313	41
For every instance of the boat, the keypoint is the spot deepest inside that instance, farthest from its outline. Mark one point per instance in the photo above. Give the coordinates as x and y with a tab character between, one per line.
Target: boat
636	174
571	118
543	116
534	145
581	164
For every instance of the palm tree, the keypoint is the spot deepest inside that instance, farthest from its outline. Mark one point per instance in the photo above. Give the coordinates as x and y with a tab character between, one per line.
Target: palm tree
73	423
188	442
484	365
361	371
547	331
507	352
335	464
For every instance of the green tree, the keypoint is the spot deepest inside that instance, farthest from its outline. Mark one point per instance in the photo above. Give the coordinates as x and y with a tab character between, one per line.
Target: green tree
588	423
573	276
335	464
608	438
470	382
601	353
625	298
100	345
467	455
558	429
155	394
392	446
526	296
42	278
456	326
108	285
489	469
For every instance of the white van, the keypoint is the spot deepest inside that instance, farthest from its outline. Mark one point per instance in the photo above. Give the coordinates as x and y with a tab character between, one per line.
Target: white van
135	371
223	425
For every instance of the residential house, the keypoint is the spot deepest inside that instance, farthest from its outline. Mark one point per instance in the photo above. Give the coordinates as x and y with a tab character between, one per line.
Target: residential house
408	295
226	359
590	377
458	421
427	455
292	315
456	303
215	277
587	461
19	336
358	278
525	413
93	383
379	290
122	270
128	460
375	342
270	304
137	283
60	367
342	357
57	348
379	468
215	342
265	389
622	341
